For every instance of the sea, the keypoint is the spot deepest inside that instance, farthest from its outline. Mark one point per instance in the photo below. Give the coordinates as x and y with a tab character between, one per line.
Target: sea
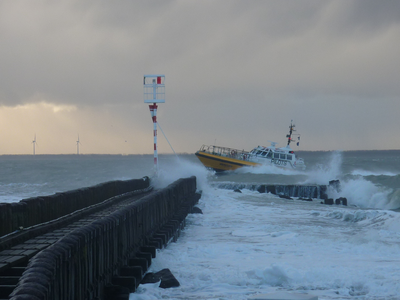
249	243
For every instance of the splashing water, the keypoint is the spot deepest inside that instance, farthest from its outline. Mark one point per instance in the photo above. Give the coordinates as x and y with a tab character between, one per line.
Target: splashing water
358	190
176	168
274	276
322	174
363	193
268	169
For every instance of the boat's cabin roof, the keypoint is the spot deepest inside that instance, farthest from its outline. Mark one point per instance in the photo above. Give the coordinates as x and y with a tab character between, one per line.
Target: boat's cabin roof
262	150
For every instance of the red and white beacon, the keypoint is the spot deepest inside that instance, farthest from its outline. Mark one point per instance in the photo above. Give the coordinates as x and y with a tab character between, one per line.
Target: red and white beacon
154	92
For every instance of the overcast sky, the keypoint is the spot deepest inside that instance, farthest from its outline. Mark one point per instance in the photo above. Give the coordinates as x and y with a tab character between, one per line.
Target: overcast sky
237	73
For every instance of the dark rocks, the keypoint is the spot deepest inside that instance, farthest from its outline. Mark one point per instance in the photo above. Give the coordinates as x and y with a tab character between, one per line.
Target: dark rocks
338	201
237	191
196	210
335	184
341	200
285	197
165	276
305	199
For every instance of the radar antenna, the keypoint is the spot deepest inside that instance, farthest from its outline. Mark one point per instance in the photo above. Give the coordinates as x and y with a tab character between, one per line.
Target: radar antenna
289	136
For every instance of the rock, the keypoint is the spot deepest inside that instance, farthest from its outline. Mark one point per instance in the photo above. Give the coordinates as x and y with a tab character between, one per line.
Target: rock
196	210
335	184
305	199
285	197
165	276
261	189
328	201
237	191
341	200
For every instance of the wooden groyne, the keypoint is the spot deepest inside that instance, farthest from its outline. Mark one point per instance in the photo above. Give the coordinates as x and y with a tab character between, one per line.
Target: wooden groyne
303	192
98	252
290	190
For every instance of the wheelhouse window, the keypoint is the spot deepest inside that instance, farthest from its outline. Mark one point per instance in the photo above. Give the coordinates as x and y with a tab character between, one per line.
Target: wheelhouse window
289	157
276	155
269	155
282	156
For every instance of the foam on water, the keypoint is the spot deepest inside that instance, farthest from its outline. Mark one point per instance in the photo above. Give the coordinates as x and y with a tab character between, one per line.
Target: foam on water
249	243
268	169
372	173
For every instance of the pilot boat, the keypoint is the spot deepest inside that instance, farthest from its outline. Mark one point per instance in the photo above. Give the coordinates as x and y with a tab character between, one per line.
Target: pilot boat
225	159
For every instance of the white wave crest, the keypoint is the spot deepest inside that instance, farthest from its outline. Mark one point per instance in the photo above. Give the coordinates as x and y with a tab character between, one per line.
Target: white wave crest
175	168
274	276
363	193
268	169
323	173
372	173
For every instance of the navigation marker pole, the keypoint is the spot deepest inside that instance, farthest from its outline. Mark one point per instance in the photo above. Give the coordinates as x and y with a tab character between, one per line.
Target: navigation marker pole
153	112
154	92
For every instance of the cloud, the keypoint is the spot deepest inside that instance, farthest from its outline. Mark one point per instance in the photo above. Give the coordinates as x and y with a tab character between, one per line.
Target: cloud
235	71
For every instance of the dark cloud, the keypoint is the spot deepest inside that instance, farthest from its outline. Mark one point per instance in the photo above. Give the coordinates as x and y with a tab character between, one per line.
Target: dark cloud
83	51
363	17
226	60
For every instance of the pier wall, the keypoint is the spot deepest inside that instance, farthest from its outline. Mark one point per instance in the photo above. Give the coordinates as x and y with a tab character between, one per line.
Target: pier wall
107	258
37	210
306	191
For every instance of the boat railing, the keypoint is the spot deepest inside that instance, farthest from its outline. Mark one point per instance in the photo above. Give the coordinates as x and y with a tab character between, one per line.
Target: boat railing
226	152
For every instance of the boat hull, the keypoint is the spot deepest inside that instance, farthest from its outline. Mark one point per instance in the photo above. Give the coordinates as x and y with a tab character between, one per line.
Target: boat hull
221	163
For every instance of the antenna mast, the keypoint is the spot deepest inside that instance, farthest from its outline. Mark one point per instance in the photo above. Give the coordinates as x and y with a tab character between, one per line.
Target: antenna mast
289	136
154	92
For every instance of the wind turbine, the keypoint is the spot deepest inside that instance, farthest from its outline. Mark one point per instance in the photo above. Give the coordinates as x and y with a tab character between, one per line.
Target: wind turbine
77	145
34	144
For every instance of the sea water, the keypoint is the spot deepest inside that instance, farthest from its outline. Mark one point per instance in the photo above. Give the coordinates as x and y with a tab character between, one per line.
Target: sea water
249	243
